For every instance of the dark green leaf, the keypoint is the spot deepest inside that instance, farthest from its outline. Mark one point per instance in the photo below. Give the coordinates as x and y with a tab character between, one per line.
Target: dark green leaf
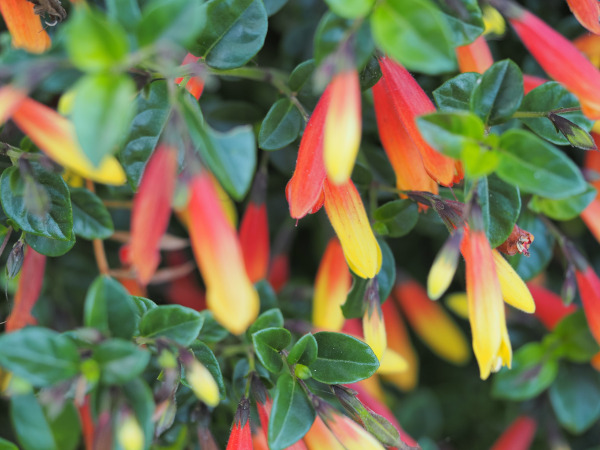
564	209
268	344
350	9
211	331
41	356
396	218
281	125
232	32
304	350
109	308
532	371
575	341
292	414
504	208
7	445
266	294
273	6
49	247
208	359
57	222
170	21
541	250
141	306
139	398
269	319
91	219
342	359
455	94
449	132
370	75
301	75
538	167
174	322
126	12
499	93
414	33
120	361
465	20
575	397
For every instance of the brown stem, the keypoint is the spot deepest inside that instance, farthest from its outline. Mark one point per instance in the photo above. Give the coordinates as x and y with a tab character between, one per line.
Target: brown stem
98	244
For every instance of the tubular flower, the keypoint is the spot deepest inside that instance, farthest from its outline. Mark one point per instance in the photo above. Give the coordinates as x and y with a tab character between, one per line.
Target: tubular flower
587	13
591	217
240	437
444	267
219	257
589	45
343	125
518	436
589	290
433	325
10	98
28	290
348	433
474	57
410	101
55	136
254	231
151	211
560	59
195	84
319	437
399	147
549	307
399	341
374	327
24	26
129	433
486	309
279	271
331	288
347	215
514	290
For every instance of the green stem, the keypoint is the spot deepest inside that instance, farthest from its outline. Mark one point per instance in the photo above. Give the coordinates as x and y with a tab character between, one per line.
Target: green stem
534	114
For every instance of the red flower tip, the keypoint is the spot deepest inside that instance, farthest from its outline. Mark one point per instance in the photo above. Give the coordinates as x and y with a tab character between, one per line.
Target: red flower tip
549	307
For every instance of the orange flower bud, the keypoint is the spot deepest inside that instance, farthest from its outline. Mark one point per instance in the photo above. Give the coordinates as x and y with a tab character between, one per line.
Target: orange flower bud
474	57
24	26
240	437
195	84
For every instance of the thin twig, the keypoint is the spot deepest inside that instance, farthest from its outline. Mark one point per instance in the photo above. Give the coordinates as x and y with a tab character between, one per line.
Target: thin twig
98	244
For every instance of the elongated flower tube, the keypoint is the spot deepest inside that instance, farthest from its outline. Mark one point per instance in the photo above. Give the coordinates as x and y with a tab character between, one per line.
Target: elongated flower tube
549	307
200	379
589	290
331	288
343	125
240	437
410	102
491	343
304	191
513	288
518	436
474	57
219	257
195	84
55	136
129	434
348	433
320	437
560	59
347	215
401	150
279	271
591	217
28	290
429	320
587	13
444	266
24	26
151	211
372	322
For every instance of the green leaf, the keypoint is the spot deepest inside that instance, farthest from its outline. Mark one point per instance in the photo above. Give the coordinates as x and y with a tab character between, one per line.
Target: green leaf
415	33
231	32
541	250
170	21
575	397
370	75
146	127
449	132
301	75
141	305
304	351
281	126
126	12
49	247
455	94
273	6
109	308
465	20
342	359
91	219
538	167
57	222
139	397
350	9
504	208
564	209
575	341
269	319
120	361
208	359
266	295
41	356
396	218
102	107
174	322
268	344
211	331
499	93
547	97
7	445
478	160
532	372
292	414
94	43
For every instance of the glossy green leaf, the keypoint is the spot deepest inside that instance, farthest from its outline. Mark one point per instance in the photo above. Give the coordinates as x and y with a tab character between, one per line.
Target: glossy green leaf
208	359
547	97
370	75
211	330
109	308
532	372
120	361
574	339
304	351
273	6
7	445
269	319
415	33
232	32
56	222
575	398
504	208
350	9
292	414
41	356
91	219
564	209
450	132
146	127
301	75
455	94
281	125
170	21
94	43
396	218
268	344
342	359
538	167
141	305
174	322
478	160
102	107
48	246
499	93
266	295
465	20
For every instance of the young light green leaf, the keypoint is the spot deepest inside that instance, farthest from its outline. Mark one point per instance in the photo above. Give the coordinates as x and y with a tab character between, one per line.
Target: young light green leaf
268	344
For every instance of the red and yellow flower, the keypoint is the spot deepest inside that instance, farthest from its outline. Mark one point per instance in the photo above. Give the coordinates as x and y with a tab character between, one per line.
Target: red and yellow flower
549	307
474	57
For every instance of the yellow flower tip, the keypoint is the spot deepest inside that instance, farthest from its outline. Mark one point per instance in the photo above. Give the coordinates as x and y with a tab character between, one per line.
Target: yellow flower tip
457	303
493	363
493	21
439	278
247	305
514	291
374	331
392	363
203	384
130	434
